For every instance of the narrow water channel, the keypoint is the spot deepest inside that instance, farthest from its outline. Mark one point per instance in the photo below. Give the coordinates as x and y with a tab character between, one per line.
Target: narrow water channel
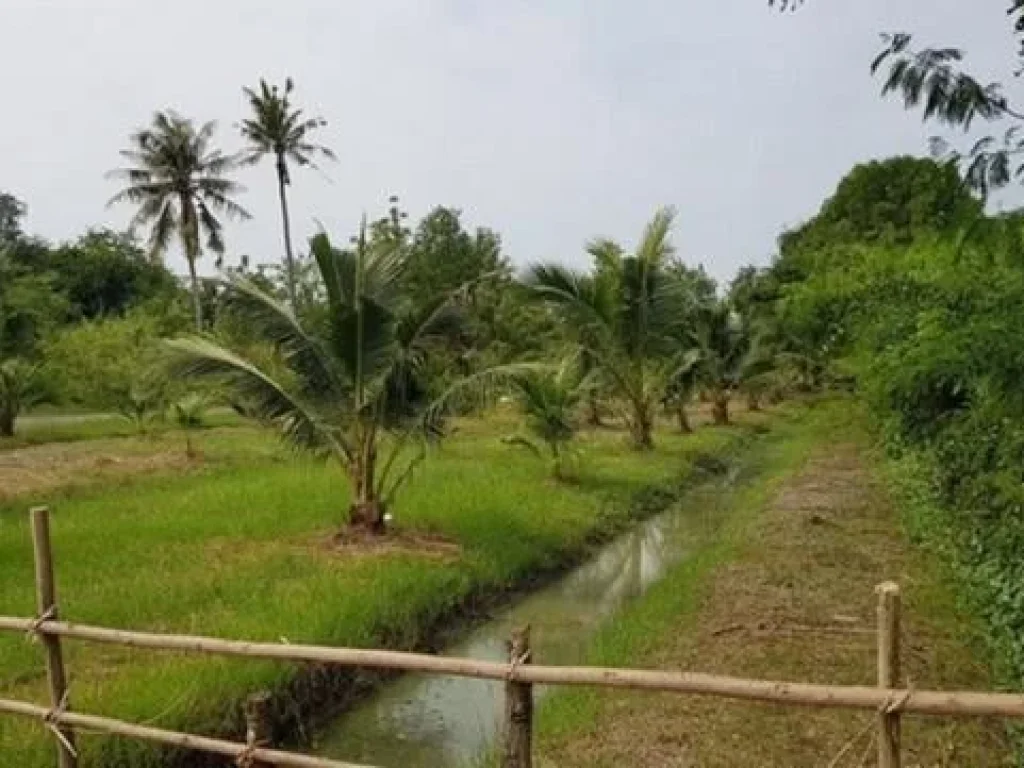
419	721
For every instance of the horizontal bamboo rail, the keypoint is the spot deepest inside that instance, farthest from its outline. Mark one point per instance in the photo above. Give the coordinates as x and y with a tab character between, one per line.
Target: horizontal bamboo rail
957	703
240	752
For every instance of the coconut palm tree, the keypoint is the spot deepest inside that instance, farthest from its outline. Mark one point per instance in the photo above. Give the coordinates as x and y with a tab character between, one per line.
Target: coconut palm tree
277	130
734	355
624	317
178	181
549	399
355	390
682	387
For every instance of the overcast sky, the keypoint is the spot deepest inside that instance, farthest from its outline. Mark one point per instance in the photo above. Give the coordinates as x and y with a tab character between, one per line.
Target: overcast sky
551	121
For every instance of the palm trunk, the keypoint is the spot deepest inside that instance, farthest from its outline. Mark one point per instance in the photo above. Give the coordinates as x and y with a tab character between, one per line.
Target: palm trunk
721	407
684	420
197	300
289	258
367	511
642	426
7	414
190	242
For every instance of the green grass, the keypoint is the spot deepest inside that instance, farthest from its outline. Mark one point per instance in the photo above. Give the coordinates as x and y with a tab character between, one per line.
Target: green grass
49	427
243	551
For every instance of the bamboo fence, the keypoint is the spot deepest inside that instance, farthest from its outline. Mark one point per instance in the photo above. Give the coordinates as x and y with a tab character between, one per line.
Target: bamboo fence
887	699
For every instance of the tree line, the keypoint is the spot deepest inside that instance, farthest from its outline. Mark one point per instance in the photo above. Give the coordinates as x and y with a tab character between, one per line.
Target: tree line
364	350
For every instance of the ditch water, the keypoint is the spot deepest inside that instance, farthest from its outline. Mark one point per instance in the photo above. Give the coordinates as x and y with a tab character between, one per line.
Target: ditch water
418	721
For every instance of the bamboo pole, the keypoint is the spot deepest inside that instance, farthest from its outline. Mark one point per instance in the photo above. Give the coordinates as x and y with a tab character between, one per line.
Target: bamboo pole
257	725
518	749
957	703
230	749
46	605
888	672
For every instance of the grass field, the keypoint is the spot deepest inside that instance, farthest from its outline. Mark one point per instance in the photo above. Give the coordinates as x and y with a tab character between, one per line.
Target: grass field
244	549
56	427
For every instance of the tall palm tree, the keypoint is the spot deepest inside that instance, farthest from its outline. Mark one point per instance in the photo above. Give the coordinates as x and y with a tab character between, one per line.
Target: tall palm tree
177	178
624	317
354	388
278	130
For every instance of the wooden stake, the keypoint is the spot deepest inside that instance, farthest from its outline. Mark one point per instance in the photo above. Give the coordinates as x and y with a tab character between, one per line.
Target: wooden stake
888	672
518	707
46	604
257	724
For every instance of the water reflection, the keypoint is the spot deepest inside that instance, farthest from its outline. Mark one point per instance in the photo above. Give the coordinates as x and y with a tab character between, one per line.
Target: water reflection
440	721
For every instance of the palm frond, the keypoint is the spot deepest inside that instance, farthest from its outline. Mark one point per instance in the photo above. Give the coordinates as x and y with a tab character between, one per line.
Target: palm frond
655	247
481	388
523	442
299	422
278	325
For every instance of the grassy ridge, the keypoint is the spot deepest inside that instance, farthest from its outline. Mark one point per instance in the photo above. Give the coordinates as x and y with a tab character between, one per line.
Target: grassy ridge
245	552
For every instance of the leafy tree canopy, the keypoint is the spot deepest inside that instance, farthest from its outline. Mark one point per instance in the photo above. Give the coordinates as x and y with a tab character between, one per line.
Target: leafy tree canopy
444	256
107	273
11	212
882	202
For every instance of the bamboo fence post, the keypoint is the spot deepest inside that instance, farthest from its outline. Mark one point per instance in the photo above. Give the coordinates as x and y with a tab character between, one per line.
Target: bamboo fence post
888	672
518	706
46	604
257	725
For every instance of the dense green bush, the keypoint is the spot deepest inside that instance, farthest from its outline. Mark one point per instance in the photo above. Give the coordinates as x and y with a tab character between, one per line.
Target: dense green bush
103	363
927	318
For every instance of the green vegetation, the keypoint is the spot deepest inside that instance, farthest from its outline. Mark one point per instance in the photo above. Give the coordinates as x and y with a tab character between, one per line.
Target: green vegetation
625	319
915	301
377	352
248	551
549	400
59	427
356	372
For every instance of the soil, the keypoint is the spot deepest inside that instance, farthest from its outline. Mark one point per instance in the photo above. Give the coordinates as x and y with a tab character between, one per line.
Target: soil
36	471
798	604
358	542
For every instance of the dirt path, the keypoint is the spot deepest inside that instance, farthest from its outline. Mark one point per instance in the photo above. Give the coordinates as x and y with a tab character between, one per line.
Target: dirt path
34	474
798	604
